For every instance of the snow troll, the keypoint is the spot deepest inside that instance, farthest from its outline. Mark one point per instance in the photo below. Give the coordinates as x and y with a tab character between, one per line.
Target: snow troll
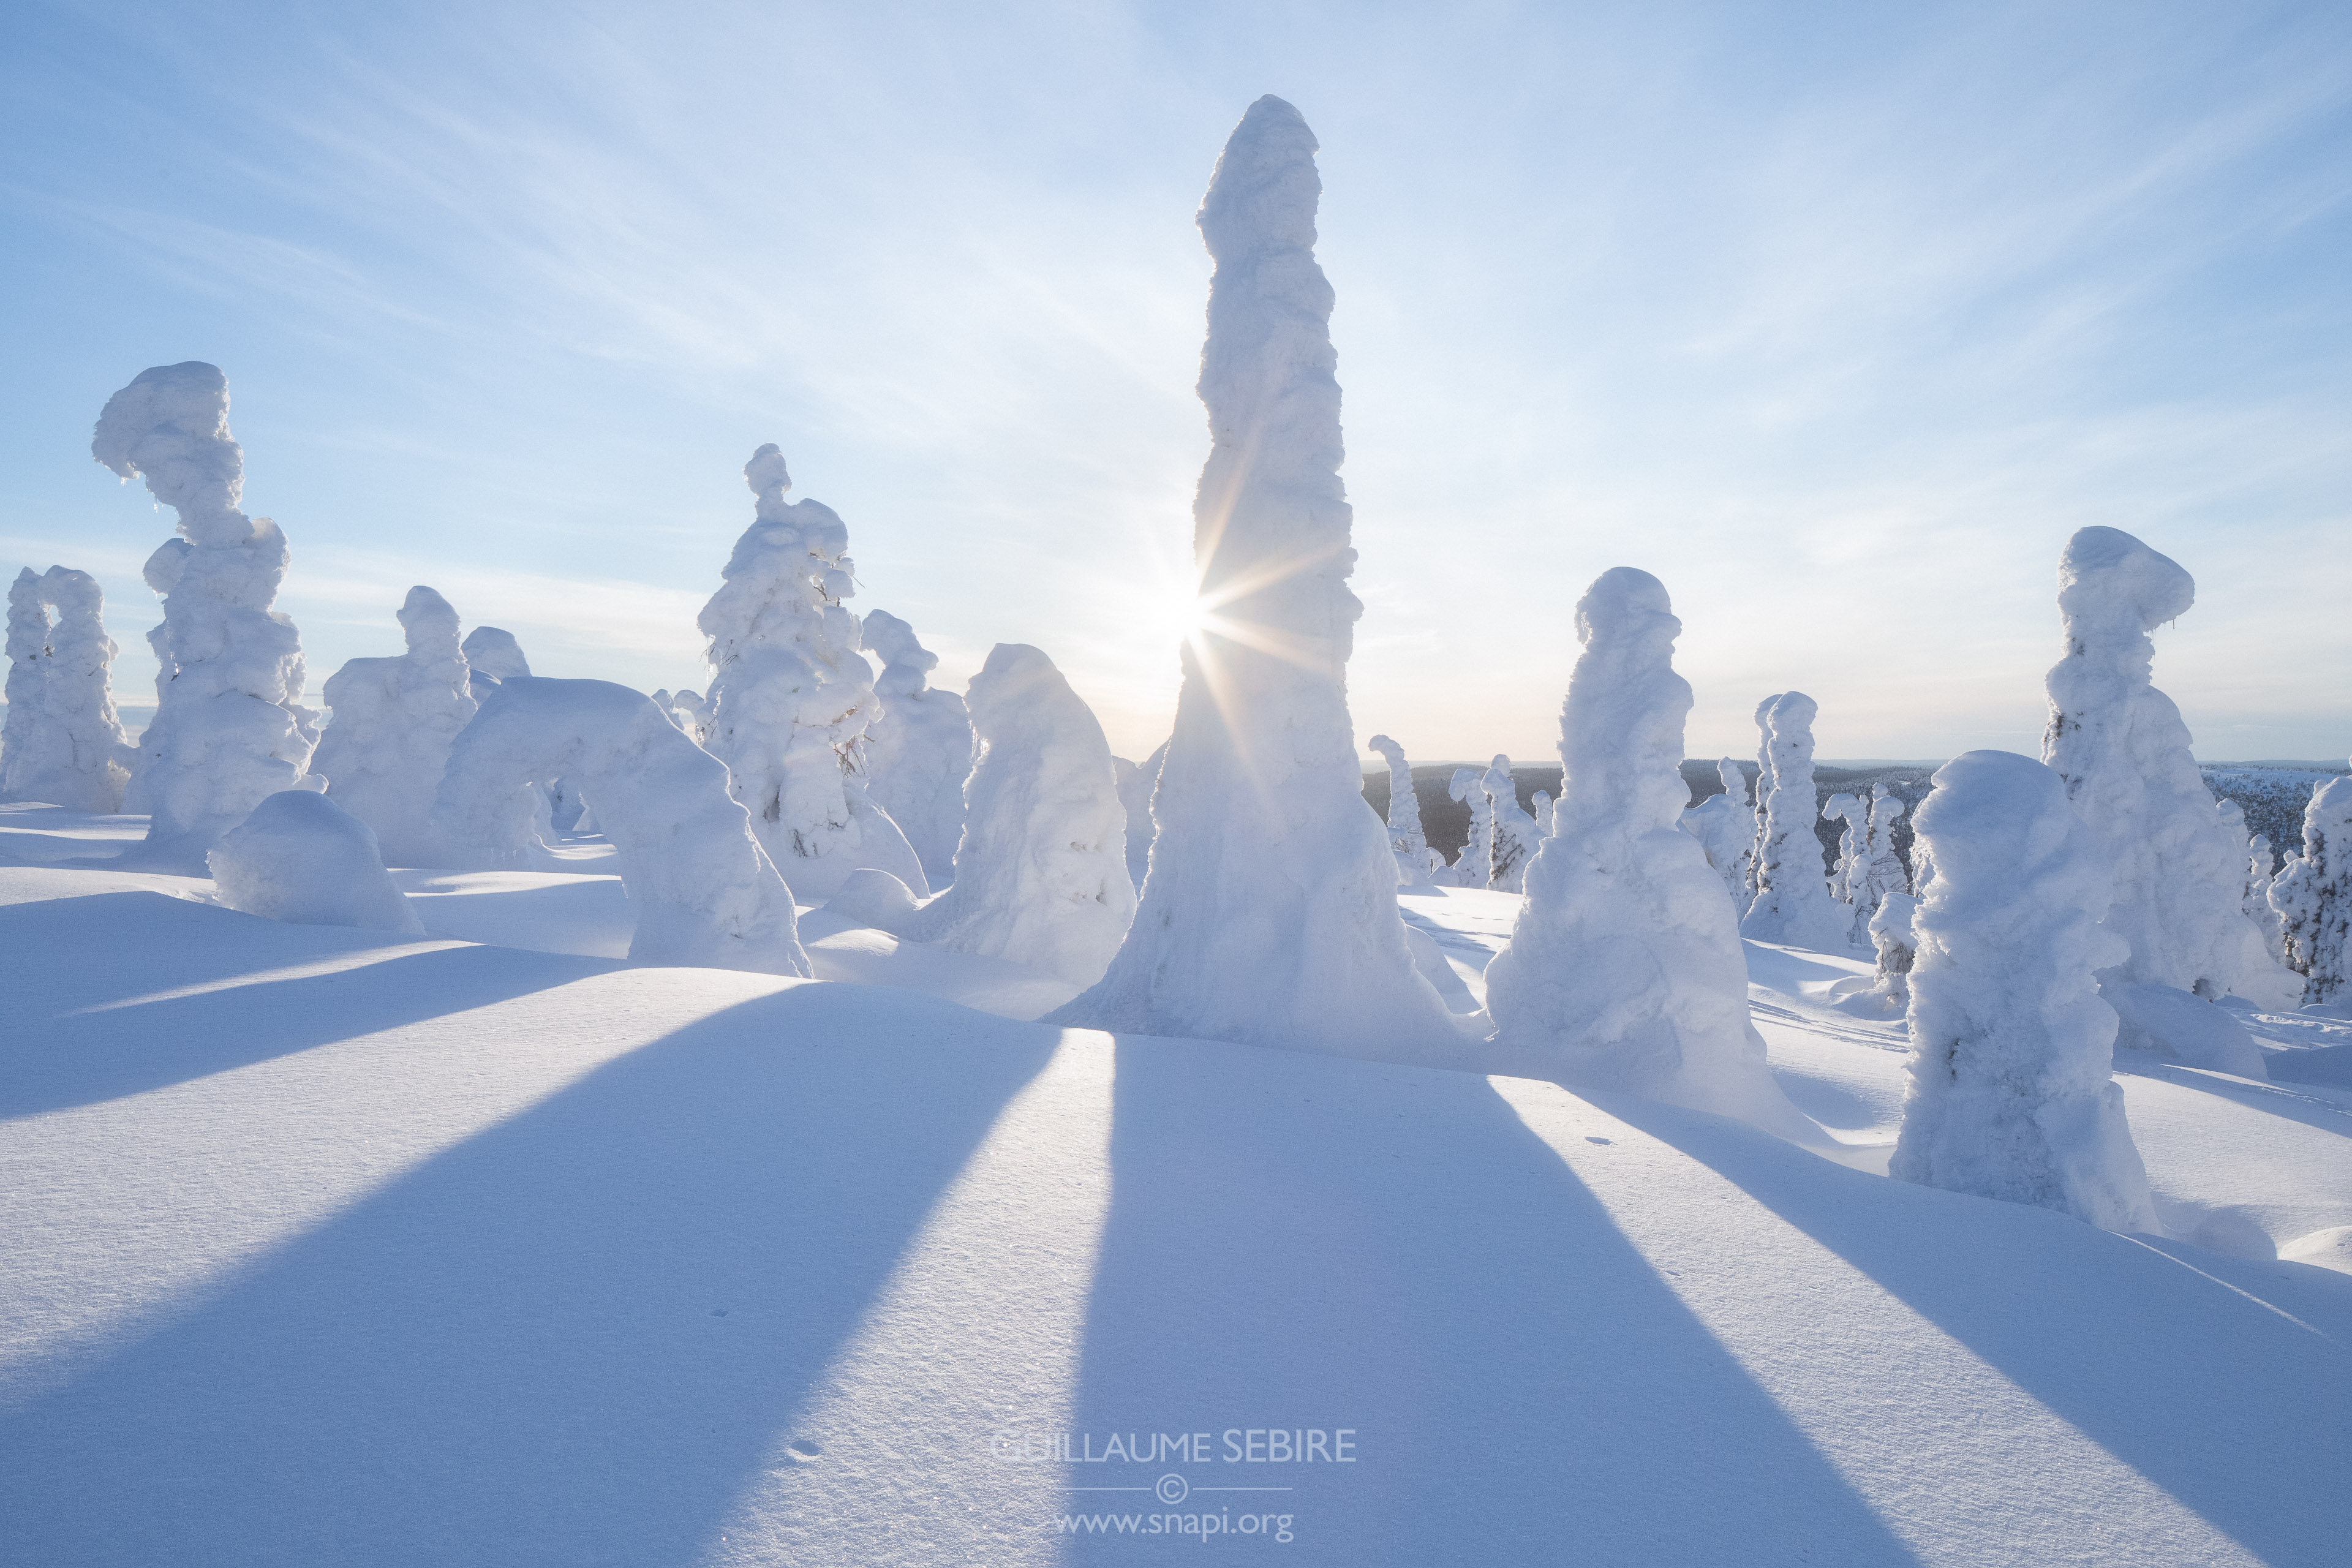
63	744
394	720
1136	783
230	729
1792	901
1724	826
918	752
1878	870
1624	970
1474	867
1407	842
2012	1092
299	857
791	695
705	894
1514	831
2311	897
1041	872
1269	915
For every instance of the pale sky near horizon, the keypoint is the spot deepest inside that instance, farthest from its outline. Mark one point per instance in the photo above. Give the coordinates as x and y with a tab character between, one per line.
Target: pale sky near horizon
1838	317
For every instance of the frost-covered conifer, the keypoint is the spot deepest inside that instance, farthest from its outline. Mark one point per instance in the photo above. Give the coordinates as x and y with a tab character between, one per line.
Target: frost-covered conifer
1624	970
1843	808
1041	872
1792	903
230	730
791	695
1270	913
491	656
388	739
1891	932
64	744
1406	840
1474	867
705	894
1543	813
1878	871
2313	897
2012	1092
1514	831
1724	826
918	752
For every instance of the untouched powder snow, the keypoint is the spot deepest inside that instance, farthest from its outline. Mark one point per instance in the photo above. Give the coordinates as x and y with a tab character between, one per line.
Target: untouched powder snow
383	753
63	742
705	892
1792	901
229	727
2012	1094
1624	970
1041	874
1269	913
299	857
918	752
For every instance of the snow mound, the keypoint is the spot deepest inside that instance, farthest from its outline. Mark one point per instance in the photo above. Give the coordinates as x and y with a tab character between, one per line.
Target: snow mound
492	655
2329	1248
301	858
873	898
2174	1023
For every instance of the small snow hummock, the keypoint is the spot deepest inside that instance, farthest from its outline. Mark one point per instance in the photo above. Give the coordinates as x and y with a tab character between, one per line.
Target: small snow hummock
1624	970
63	744
2012	1092
1724	826
706	893
791	695
2311	897
298	856
918	752
1269	915
1136	780
1792	901
388	738
1513	831
1041	873
230	729
1474	867
491	656
1407	842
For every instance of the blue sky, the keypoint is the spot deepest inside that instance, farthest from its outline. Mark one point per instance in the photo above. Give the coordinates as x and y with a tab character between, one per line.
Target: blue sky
1837	318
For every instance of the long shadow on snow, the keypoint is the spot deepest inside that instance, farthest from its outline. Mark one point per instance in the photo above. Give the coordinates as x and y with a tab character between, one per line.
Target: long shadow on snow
2179	1376
1324	1243
2278	1098
513	1355
63	1058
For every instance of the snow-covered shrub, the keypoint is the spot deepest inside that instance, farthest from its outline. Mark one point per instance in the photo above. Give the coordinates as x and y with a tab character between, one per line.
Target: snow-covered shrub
64	744
791	695
229	729
1041	872
1270	913
918	752
1474	867
1624	970
1406	840
1724	826
1513	831
705	894
1136	780
2012	1092
2313	897
1897	944
1792	903
389	734
491	656
298	856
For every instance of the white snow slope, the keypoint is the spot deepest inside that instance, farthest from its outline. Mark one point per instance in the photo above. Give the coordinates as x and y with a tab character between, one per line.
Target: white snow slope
329	1245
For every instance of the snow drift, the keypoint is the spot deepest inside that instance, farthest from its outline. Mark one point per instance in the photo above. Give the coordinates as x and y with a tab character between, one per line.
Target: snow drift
301	858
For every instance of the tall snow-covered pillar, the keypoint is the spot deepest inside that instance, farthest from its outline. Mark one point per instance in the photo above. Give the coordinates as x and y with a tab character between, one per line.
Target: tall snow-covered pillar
1269	915
1792	891
919	751
230	729
384	753
65	743
2312	896
1474	867
1513	830
1407	842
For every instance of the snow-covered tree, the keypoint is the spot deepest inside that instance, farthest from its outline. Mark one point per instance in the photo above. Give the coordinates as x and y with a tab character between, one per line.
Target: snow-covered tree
1878	870
298	856
919	751
1270	913
1039	872
1897	944
1848	809
2124	753
2012	1092
491	656
2311	897
392	722
1792	903
1543	813
64	744
1474	867
1136	780
791	695
1513	831
230	730
1406	840
705	894
1724	826
1624	970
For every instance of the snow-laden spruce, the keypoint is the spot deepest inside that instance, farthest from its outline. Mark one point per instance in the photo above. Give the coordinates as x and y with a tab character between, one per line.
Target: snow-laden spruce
298	856
1848	810
2012	1092
1136	780
1543	815
1624	969
918	752
1270	912
791	695
1474	867
1513	829
1792	903
63	744
1878	871
1724	826
388	739
491	656
1407	842
2311	897
230	729
1897	945
705	892
1041	872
